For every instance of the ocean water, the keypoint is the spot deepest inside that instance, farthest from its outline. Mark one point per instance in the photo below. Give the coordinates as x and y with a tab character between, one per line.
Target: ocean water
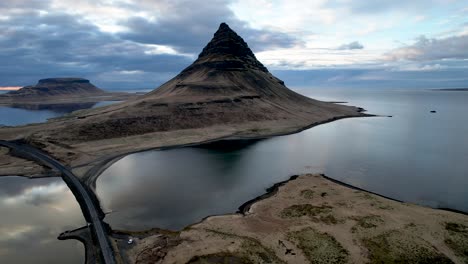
28	114
32	214
415	156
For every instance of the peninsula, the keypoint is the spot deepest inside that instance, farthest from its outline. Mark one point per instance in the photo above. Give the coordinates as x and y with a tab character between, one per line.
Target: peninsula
225	94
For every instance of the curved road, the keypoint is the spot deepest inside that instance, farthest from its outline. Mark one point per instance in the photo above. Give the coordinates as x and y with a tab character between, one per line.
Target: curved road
84	198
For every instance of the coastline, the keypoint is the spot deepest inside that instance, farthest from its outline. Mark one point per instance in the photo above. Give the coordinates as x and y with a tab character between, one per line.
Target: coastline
91	175
271	193
353	223
83	156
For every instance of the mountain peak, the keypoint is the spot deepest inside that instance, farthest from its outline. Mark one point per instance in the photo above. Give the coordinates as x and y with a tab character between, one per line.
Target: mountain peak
227	43
224	26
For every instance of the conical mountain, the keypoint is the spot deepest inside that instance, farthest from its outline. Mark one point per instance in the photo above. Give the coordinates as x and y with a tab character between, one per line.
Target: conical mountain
226	87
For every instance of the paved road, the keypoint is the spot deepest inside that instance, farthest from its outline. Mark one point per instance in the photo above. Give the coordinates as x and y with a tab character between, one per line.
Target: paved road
84	198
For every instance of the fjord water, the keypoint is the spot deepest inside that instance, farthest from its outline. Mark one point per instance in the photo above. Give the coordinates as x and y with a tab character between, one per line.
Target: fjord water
27	114
33	212
414	156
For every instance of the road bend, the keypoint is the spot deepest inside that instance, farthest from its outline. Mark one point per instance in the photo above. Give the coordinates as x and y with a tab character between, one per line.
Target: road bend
91	212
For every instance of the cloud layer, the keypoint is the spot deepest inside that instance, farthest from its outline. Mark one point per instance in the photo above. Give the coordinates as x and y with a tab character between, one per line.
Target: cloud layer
141	44
351	46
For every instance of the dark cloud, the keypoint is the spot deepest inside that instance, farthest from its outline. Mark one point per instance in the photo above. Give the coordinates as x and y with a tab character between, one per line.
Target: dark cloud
35	45
426	49
37	41
191	25
351	46
60	45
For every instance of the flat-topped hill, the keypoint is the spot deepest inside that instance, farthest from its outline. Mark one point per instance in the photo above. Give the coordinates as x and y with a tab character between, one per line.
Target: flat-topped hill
56	87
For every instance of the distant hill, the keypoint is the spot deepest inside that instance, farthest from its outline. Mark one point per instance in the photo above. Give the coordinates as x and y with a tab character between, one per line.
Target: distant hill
453	89
53	87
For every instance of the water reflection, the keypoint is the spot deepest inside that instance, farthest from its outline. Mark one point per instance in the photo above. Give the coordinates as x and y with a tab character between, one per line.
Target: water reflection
415	156
33	213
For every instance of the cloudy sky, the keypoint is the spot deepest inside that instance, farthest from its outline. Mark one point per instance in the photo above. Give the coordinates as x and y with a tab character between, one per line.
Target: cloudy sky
125	44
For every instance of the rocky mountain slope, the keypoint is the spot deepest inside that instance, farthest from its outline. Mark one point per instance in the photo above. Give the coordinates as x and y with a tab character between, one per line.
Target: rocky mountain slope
226	85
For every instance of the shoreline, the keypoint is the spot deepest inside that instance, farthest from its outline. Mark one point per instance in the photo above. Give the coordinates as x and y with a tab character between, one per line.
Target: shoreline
349	220
91	175
271	191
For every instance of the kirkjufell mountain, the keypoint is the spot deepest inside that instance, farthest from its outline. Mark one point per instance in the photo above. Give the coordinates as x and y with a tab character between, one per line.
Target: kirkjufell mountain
225	94
225	86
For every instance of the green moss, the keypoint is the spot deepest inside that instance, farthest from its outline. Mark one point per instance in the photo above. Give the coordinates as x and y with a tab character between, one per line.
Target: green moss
299	210
319	247
329	219
307	193
220	258
457	239
367	196
455	227
258	253
342	204
385	207
401	247
250	250
369	221
4	151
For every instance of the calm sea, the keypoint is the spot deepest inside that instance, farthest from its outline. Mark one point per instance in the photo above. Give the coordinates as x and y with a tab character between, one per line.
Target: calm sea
415	156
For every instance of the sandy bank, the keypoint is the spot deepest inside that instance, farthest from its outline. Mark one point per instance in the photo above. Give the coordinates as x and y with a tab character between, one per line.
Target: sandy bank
312	220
